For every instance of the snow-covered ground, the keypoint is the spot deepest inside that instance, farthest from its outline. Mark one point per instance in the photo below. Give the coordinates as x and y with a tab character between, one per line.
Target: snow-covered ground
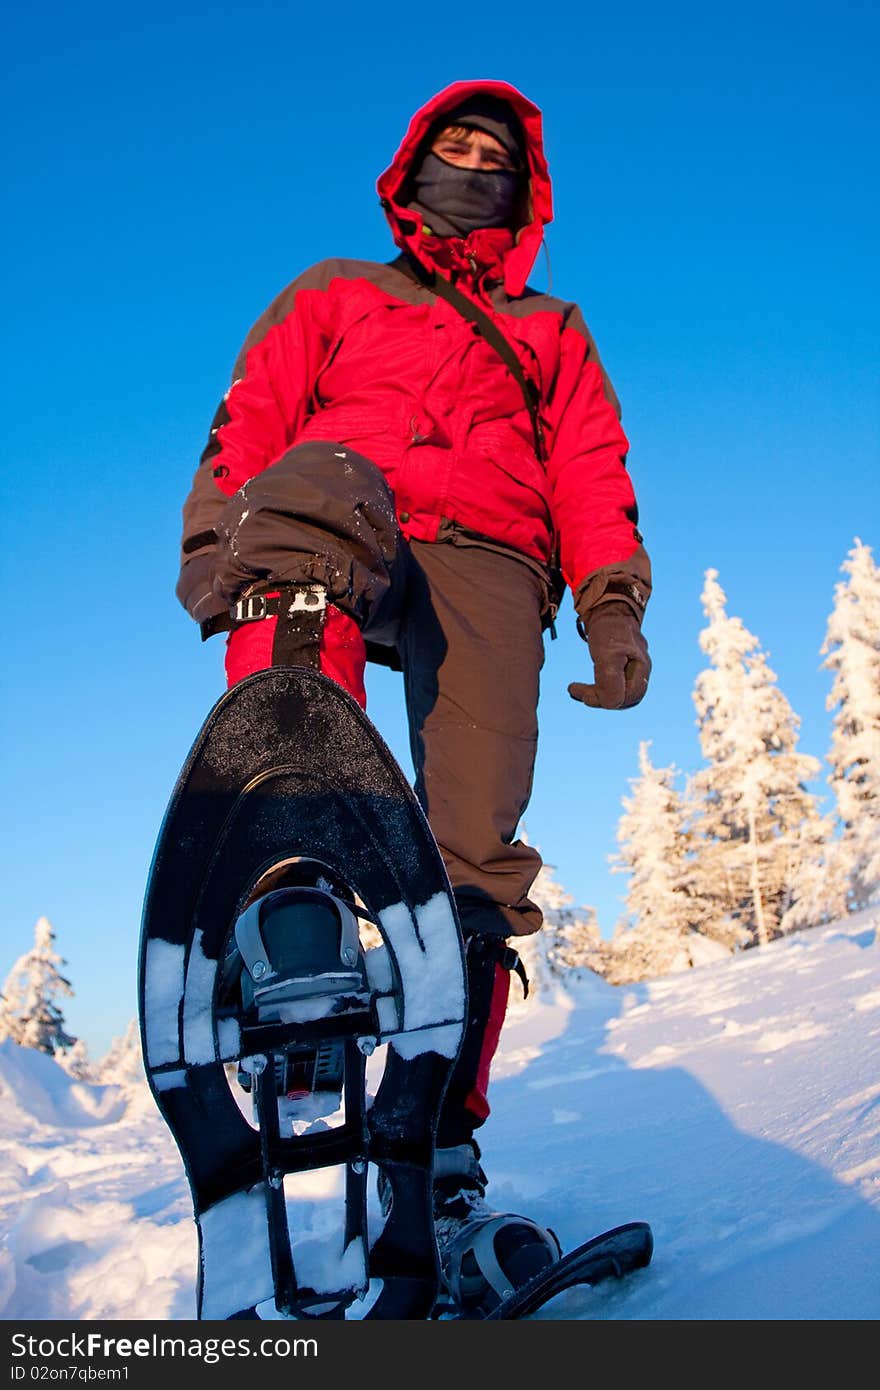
736	1107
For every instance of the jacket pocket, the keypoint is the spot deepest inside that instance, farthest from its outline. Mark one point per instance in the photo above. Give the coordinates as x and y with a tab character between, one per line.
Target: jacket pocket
521	466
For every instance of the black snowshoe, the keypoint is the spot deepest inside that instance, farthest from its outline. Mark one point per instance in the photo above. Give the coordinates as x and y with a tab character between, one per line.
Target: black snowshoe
298	918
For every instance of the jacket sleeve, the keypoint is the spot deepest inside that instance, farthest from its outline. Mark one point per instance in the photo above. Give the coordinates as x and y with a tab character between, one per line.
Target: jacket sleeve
270	397
594	505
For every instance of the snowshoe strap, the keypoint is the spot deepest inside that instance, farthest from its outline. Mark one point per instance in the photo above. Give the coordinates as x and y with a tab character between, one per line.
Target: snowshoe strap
300	625
476	1245
289	602
512	960
483	943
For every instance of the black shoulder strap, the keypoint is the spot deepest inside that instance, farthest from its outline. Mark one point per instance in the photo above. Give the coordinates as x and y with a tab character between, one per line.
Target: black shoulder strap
493	336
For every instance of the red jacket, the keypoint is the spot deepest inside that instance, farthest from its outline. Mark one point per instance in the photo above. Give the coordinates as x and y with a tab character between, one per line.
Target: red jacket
362	354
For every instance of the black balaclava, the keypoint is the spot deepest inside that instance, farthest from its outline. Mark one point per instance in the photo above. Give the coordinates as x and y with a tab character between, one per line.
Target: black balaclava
455	201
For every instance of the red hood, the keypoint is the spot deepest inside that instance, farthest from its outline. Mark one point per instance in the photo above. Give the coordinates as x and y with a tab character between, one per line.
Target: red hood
517	255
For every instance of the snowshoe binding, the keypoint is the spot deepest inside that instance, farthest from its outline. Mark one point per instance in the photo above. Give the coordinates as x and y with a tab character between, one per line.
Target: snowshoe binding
497	1265
296	953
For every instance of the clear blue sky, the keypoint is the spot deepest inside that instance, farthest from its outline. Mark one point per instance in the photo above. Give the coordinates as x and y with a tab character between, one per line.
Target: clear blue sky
169	168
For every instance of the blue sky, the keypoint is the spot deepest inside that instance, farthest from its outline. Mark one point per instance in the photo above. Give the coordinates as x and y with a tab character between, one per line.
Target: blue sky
169	169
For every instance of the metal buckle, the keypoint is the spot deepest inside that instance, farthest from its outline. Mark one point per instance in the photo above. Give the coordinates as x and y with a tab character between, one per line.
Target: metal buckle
250	609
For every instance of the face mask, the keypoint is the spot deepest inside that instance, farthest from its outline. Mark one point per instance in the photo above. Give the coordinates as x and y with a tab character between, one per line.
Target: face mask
466	198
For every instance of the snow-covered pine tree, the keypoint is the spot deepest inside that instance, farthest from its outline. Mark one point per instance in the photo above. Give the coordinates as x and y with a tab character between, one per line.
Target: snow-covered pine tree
77	1062
123	1064
573	941
664	912
818	878
30	1015
852	652
756	821
10	1026
569	939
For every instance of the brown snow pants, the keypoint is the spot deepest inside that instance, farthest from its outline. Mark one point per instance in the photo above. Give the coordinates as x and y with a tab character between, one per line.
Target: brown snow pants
471	648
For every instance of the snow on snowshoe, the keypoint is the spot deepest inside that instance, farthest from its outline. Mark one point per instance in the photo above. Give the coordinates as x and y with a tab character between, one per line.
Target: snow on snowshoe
292	835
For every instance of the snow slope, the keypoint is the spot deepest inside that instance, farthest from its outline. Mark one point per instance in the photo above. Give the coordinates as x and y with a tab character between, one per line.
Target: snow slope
736	1107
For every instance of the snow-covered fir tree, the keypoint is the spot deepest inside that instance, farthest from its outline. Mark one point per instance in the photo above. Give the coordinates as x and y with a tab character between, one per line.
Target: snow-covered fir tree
570	938
123	1063
9	1024
664	911
817	877
77	1062
852	653
29	1014
757	822
573	937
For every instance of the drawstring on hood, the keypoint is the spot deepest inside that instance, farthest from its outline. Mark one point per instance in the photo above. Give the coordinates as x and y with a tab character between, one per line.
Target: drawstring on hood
509	247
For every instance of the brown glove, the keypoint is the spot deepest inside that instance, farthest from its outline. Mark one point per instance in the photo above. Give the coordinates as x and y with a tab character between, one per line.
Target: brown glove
620	659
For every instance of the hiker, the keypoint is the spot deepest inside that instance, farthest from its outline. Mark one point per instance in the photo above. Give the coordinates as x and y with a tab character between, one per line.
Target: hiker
428	452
